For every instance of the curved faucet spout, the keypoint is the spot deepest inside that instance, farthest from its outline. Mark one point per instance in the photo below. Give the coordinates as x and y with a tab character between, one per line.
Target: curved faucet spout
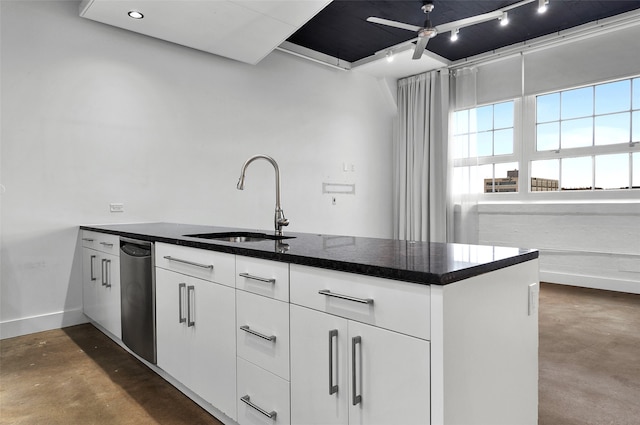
279	220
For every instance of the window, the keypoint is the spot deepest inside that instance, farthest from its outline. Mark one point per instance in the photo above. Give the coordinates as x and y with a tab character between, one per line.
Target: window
587	138
484	149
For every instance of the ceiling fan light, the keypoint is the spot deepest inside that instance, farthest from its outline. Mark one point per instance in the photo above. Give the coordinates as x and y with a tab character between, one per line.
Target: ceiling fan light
542	5
504	19
454	34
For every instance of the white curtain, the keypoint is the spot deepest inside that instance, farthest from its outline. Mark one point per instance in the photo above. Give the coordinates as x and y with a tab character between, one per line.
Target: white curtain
464	200
421	158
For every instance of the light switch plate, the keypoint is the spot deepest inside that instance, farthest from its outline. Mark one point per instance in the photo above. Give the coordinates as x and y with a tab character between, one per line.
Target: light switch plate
115	207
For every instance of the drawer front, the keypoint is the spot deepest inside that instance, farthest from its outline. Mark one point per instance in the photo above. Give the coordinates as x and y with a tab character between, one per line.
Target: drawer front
263	277
209	265
398	306
263	332
102	242
261	394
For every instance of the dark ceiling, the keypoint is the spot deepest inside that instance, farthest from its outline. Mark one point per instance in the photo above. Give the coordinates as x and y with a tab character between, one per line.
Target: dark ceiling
341	29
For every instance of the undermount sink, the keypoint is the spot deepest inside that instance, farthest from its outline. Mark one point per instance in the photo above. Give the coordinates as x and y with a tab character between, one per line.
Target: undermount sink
240	236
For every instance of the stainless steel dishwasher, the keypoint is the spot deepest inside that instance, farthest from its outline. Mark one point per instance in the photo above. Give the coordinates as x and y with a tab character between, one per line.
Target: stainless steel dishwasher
138	295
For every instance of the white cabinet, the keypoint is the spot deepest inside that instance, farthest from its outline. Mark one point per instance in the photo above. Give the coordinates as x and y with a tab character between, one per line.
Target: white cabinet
101	280
196	330
345	371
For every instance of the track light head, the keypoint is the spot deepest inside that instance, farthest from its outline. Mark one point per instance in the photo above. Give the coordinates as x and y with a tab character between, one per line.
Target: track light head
454	34
542	5
504	19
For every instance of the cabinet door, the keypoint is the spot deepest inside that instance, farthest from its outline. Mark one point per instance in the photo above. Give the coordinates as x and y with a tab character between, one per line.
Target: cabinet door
391	377
319	368
90	282
196	336
108	294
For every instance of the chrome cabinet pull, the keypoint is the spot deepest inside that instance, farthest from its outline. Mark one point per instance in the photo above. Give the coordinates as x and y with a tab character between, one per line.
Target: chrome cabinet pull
332	387
108	284
190	290
91	261
181	286
328	293
87	239
258	278
247	329
246	399
191	263
103	271
357	398
106	244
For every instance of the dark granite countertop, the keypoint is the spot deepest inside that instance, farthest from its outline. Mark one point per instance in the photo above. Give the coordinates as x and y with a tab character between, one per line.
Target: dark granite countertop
418	262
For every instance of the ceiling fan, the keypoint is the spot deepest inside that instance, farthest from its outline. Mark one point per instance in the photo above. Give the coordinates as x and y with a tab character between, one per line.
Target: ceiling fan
428	31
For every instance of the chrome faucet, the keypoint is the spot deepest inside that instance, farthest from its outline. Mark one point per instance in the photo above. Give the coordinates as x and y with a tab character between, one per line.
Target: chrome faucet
279	219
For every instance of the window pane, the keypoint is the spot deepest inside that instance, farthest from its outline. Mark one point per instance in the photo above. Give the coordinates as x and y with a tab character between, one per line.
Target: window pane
612	129
548	136
485	143
635	134
577	103
506	177
503	142
461	146
576	133
548	107
636	94
613	97
545	175
485	118
461	122
483	172
612	171
577	173
461	180
636	170
503	115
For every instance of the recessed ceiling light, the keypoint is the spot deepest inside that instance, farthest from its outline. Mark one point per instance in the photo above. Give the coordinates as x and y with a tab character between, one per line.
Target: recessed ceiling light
135	14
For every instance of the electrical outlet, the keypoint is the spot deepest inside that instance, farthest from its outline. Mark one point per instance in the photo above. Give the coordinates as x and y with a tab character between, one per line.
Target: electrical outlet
116	207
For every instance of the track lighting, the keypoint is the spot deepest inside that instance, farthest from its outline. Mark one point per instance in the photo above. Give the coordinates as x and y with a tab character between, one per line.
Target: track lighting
134	14
504	19
542	5
454	34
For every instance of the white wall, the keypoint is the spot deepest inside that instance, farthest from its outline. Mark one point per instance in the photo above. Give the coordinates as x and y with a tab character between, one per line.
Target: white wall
93	114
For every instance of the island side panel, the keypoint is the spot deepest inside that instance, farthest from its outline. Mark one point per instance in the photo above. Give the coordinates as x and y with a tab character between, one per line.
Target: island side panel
485	349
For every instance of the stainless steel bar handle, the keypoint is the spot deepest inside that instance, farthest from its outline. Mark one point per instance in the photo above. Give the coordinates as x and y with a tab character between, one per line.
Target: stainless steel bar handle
328	293
258	278
246	399
181	286
87	239
247	329
333	333
106	244
191	263
91	261
108	285
103	272
356	398
190	290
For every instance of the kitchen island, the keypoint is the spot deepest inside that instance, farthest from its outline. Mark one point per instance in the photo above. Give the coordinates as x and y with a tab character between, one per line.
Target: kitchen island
340	329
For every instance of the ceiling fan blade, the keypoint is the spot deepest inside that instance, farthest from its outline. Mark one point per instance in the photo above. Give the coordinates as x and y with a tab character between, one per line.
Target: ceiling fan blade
420	46
394	24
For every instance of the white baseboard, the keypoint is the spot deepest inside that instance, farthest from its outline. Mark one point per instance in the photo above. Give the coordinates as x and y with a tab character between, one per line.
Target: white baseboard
43	322
620	285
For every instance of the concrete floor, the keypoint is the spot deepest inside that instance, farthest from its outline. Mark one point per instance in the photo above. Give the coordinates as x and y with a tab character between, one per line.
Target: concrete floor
589	371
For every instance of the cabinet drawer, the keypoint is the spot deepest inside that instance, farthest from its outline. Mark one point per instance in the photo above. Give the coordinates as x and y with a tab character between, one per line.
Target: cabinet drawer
399	306
209	265
263	332
267	394
102	242
263	277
